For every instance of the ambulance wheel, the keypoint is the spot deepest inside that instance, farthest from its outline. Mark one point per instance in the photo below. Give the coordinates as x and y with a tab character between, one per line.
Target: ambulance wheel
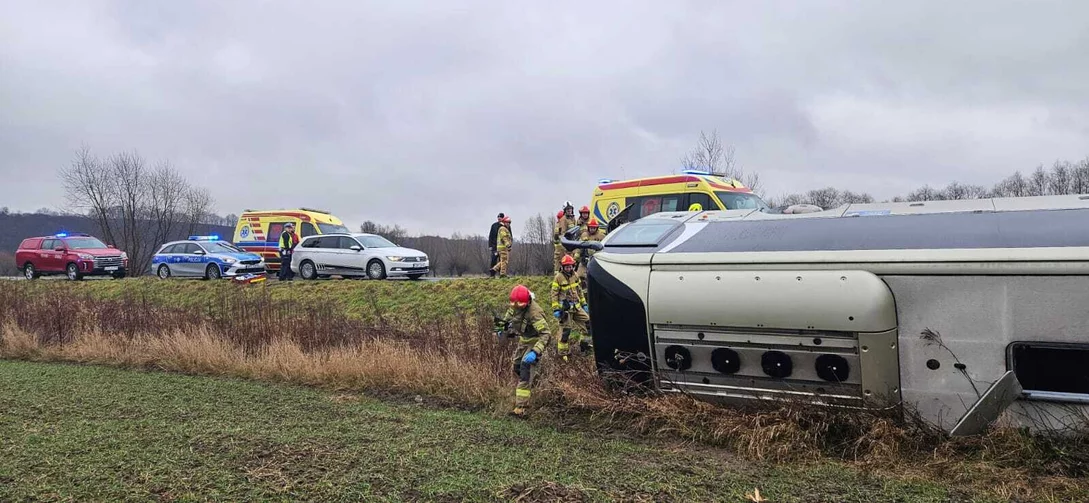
376	270
212	272
307	270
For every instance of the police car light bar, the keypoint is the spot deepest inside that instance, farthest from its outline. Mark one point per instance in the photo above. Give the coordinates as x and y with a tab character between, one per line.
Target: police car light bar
204	238
61	235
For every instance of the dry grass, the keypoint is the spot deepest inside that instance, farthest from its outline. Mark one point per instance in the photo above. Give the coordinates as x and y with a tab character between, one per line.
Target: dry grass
460	361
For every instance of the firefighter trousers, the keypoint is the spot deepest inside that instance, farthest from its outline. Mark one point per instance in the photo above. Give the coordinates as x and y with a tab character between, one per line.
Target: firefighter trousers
557	256
501	265
526	372
574	321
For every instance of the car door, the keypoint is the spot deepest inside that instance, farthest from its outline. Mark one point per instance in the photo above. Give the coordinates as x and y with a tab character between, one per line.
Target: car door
50	258
193	261
350	261
321	253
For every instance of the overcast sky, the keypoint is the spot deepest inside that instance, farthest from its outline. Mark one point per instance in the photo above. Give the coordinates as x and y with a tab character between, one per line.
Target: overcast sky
375	110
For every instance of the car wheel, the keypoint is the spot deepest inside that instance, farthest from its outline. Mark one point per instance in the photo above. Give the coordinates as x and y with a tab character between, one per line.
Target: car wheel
72	271
308	270
415	277
376	270
30	272
212	272
163	272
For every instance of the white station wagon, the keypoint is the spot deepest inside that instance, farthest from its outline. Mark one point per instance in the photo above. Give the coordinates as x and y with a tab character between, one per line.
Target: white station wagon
370	255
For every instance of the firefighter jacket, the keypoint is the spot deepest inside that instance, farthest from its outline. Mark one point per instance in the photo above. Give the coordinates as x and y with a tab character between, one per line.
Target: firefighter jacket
583	256
562	226
529	324
566	290
503	240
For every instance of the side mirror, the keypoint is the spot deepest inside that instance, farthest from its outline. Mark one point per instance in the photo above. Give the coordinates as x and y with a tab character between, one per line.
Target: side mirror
198	252
357	247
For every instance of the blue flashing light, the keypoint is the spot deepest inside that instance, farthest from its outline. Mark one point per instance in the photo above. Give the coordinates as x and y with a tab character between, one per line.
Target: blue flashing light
605	180
204	238
695	172
61	234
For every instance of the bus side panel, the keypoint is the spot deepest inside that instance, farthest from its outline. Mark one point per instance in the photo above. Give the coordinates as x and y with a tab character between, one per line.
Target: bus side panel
977	318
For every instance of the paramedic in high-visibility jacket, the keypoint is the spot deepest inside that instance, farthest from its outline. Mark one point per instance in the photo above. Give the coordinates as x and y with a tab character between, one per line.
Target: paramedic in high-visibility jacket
288	240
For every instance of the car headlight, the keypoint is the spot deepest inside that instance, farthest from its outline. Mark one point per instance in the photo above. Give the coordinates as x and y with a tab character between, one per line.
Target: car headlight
229	260
85	256
395	259
124	256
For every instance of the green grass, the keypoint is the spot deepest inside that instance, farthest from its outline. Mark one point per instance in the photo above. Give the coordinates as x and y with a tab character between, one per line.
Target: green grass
72	432
396	300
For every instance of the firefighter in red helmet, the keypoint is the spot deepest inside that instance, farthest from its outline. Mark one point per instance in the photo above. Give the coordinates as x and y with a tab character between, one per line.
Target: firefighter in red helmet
569	307
592	233
526	320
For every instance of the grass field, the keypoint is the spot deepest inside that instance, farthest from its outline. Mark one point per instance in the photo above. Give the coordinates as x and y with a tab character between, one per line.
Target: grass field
70	432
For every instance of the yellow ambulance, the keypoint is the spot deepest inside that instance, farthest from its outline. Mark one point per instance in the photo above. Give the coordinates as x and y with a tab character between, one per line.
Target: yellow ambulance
671	193
258	231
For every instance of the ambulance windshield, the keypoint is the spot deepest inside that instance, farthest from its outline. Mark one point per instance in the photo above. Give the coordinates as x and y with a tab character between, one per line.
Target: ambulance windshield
332	228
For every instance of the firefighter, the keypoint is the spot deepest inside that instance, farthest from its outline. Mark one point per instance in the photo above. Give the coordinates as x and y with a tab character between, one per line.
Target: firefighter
582	257
584	218
526	320
503	243
564	221
569	306
288	240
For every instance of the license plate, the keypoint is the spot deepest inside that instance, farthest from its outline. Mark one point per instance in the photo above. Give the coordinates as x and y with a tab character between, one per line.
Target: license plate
112	268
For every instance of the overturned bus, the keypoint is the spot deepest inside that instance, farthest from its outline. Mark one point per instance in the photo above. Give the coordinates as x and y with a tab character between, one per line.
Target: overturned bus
963	311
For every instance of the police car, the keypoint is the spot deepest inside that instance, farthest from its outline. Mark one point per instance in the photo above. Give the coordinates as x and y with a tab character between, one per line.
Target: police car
205	257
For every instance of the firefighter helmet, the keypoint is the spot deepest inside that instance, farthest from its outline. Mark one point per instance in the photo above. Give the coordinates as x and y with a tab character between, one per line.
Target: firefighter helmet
584	209
592	224
559	215
567	260
520	294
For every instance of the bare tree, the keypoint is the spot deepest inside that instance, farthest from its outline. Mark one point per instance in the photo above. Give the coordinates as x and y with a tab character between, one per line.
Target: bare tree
1014	186
712	156
957	190
1038	182
87	184
826	198
1061	179
168	195
1079	179
924	193
135	208
198	205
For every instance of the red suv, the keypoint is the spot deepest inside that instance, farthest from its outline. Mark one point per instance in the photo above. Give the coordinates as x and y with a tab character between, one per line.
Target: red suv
74	255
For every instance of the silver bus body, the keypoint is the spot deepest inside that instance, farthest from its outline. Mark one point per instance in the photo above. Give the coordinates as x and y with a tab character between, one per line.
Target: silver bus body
927	306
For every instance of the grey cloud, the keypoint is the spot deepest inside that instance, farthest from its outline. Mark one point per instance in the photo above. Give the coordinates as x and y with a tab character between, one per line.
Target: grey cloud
376	110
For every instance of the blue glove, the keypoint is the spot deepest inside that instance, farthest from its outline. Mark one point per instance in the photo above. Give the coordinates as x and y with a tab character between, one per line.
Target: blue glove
586	309
557	313
531	356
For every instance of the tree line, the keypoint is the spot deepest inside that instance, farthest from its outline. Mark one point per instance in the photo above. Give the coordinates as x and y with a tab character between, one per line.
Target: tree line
1064	177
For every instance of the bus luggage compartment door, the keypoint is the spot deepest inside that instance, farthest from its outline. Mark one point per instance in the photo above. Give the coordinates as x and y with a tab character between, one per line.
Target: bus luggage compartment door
815	336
